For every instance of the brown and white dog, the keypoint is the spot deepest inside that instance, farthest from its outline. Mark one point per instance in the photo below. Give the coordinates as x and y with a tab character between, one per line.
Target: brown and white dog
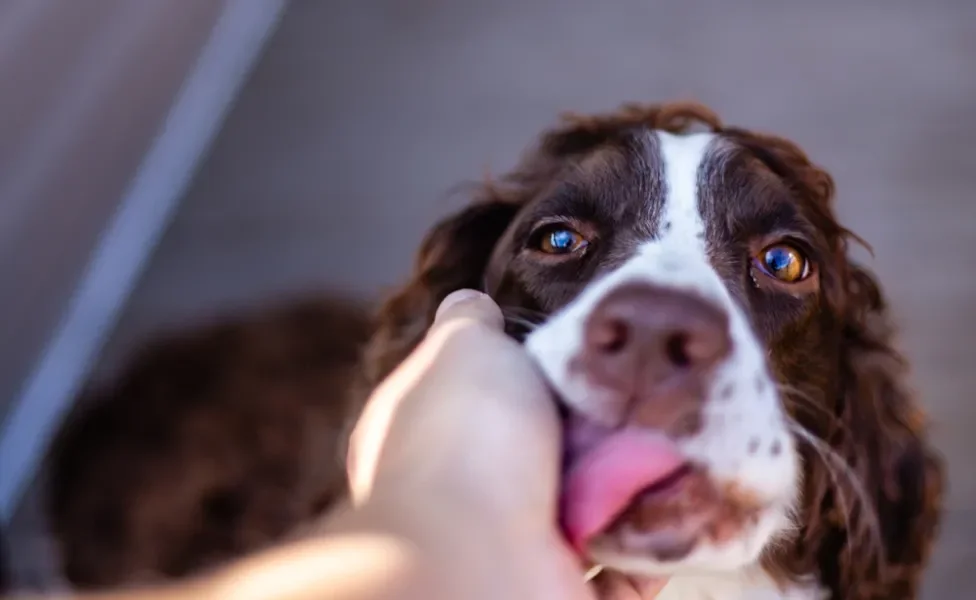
736	415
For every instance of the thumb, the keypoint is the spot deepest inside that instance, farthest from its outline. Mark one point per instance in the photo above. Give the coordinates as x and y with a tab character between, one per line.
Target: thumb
470	304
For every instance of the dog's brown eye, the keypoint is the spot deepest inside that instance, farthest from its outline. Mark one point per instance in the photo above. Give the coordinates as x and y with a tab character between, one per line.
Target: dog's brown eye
560	239
784	262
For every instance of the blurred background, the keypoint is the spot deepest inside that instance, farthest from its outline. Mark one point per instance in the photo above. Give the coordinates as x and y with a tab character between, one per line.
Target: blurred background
318	141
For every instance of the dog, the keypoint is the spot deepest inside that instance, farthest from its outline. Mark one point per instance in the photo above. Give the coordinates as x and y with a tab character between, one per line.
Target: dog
737	416
211	442
675	276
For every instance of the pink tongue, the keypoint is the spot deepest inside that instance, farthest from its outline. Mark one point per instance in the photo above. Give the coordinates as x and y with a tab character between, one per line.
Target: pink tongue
606	479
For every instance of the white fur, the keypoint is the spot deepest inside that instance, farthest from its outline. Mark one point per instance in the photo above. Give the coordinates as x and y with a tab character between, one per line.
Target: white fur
752	415
749	583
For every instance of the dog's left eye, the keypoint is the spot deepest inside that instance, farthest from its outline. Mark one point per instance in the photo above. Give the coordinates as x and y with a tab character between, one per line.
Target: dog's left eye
560	239
784	262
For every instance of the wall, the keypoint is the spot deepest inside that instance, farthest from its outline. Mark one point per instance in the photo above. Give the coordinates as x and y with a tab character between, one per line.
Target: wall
364	113
108	107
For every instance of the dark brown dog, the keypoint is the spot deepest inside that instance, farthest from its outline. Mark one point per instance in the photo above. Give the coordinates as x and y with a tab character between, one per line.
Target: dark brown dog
212	443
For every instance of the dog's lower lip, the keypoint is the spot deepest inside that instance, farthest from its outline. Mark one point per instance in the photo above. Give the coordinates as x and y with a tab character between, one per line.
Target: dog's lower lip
606	479
669	485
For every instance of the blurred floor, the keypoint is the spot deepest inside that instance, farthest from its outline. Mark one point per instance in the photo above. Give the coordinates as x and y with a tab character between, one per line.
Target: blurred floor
364	113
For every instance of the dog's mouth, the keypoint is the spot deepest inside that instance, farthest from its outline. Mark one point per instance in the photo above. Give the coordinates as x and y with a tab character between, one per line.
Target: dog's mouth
603	480
631	491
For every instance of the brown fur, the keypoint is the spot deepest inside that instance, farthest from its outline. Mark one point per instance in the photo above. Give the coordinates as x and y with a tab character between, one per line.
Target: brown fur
860	406
214	442
177	428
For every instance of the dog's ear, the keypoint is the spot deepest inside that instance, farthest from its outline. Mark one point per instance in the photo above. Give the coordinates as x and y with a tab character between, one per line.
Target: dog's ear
873	490
453	255
880	433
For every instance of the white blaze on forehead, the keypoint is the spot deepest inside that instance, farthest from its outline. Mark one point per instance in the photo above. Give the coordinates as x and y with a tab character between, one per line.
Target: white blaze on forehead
677	257
682	157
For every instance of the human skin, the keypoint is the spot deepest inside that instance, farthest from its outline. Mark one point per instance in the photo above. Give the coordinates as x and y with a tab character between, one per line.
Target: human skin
454	472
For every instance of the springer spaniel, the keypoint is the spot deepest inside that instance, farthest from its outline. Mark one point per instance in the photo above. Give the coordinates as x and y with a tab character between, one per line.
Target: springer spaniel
736	416
735	411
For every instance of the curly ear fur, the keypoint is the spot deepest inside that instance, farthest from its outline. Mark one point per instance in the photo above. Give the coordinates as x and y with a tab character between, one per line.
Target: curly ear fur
878	550
872	424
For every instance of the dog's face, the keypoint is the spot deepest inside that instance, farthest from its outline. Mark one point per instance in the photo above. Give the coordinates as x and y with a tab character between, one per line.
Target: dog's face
672	267
689	299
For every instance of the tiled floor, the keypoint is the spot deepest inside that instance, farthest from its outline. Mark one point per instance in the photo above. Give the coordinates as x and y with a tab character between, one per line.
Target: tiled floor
365	112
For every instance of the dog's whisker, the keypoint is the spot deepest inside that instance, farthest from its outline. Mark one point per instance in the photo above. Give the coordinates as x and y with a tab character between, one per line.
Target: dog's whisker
527	313
802	399
837	465
524	325
845	507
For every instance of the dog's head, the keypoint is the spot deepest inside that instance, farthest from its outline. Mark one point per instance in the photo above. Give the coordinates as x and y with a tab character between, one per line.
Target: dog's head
731	394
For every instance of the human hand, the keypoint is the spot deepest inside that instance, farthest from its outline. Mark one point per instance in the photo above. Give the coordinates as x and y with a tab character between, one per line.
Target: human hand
466	431
455	469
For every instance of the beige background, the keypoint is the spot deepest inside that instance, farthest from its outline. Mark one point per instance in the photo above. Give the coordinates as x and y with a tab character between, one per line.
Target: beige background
85	86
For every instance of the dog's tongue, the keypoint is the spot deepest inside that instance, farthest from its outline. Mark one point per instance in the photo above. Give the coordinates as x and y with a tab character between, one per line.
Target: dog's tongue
603	481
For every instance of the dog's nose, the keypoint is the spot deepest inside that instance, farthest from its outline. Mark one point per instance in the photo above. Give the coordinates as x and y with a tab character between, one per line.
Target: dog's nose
656	346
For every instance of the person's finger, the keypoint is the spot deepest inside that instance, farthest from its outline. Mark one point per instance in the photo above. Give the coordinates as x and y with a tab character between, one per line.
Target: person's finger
649	588
470	304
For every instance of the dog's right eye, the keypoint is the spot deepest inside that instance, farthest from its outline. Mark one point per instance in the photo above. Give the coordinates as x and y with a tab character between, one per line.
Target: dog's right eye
559	239
784	263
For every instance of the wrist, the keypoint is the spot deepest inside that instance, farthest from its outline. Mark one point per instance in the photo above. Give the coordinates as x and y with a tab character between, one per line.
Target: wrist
352	555
471	552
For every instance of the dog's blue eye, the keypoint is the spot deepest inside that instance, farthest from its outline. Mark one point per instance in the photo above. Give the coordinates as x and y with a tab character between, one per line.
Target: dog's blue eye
561	240
784	263
778	259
